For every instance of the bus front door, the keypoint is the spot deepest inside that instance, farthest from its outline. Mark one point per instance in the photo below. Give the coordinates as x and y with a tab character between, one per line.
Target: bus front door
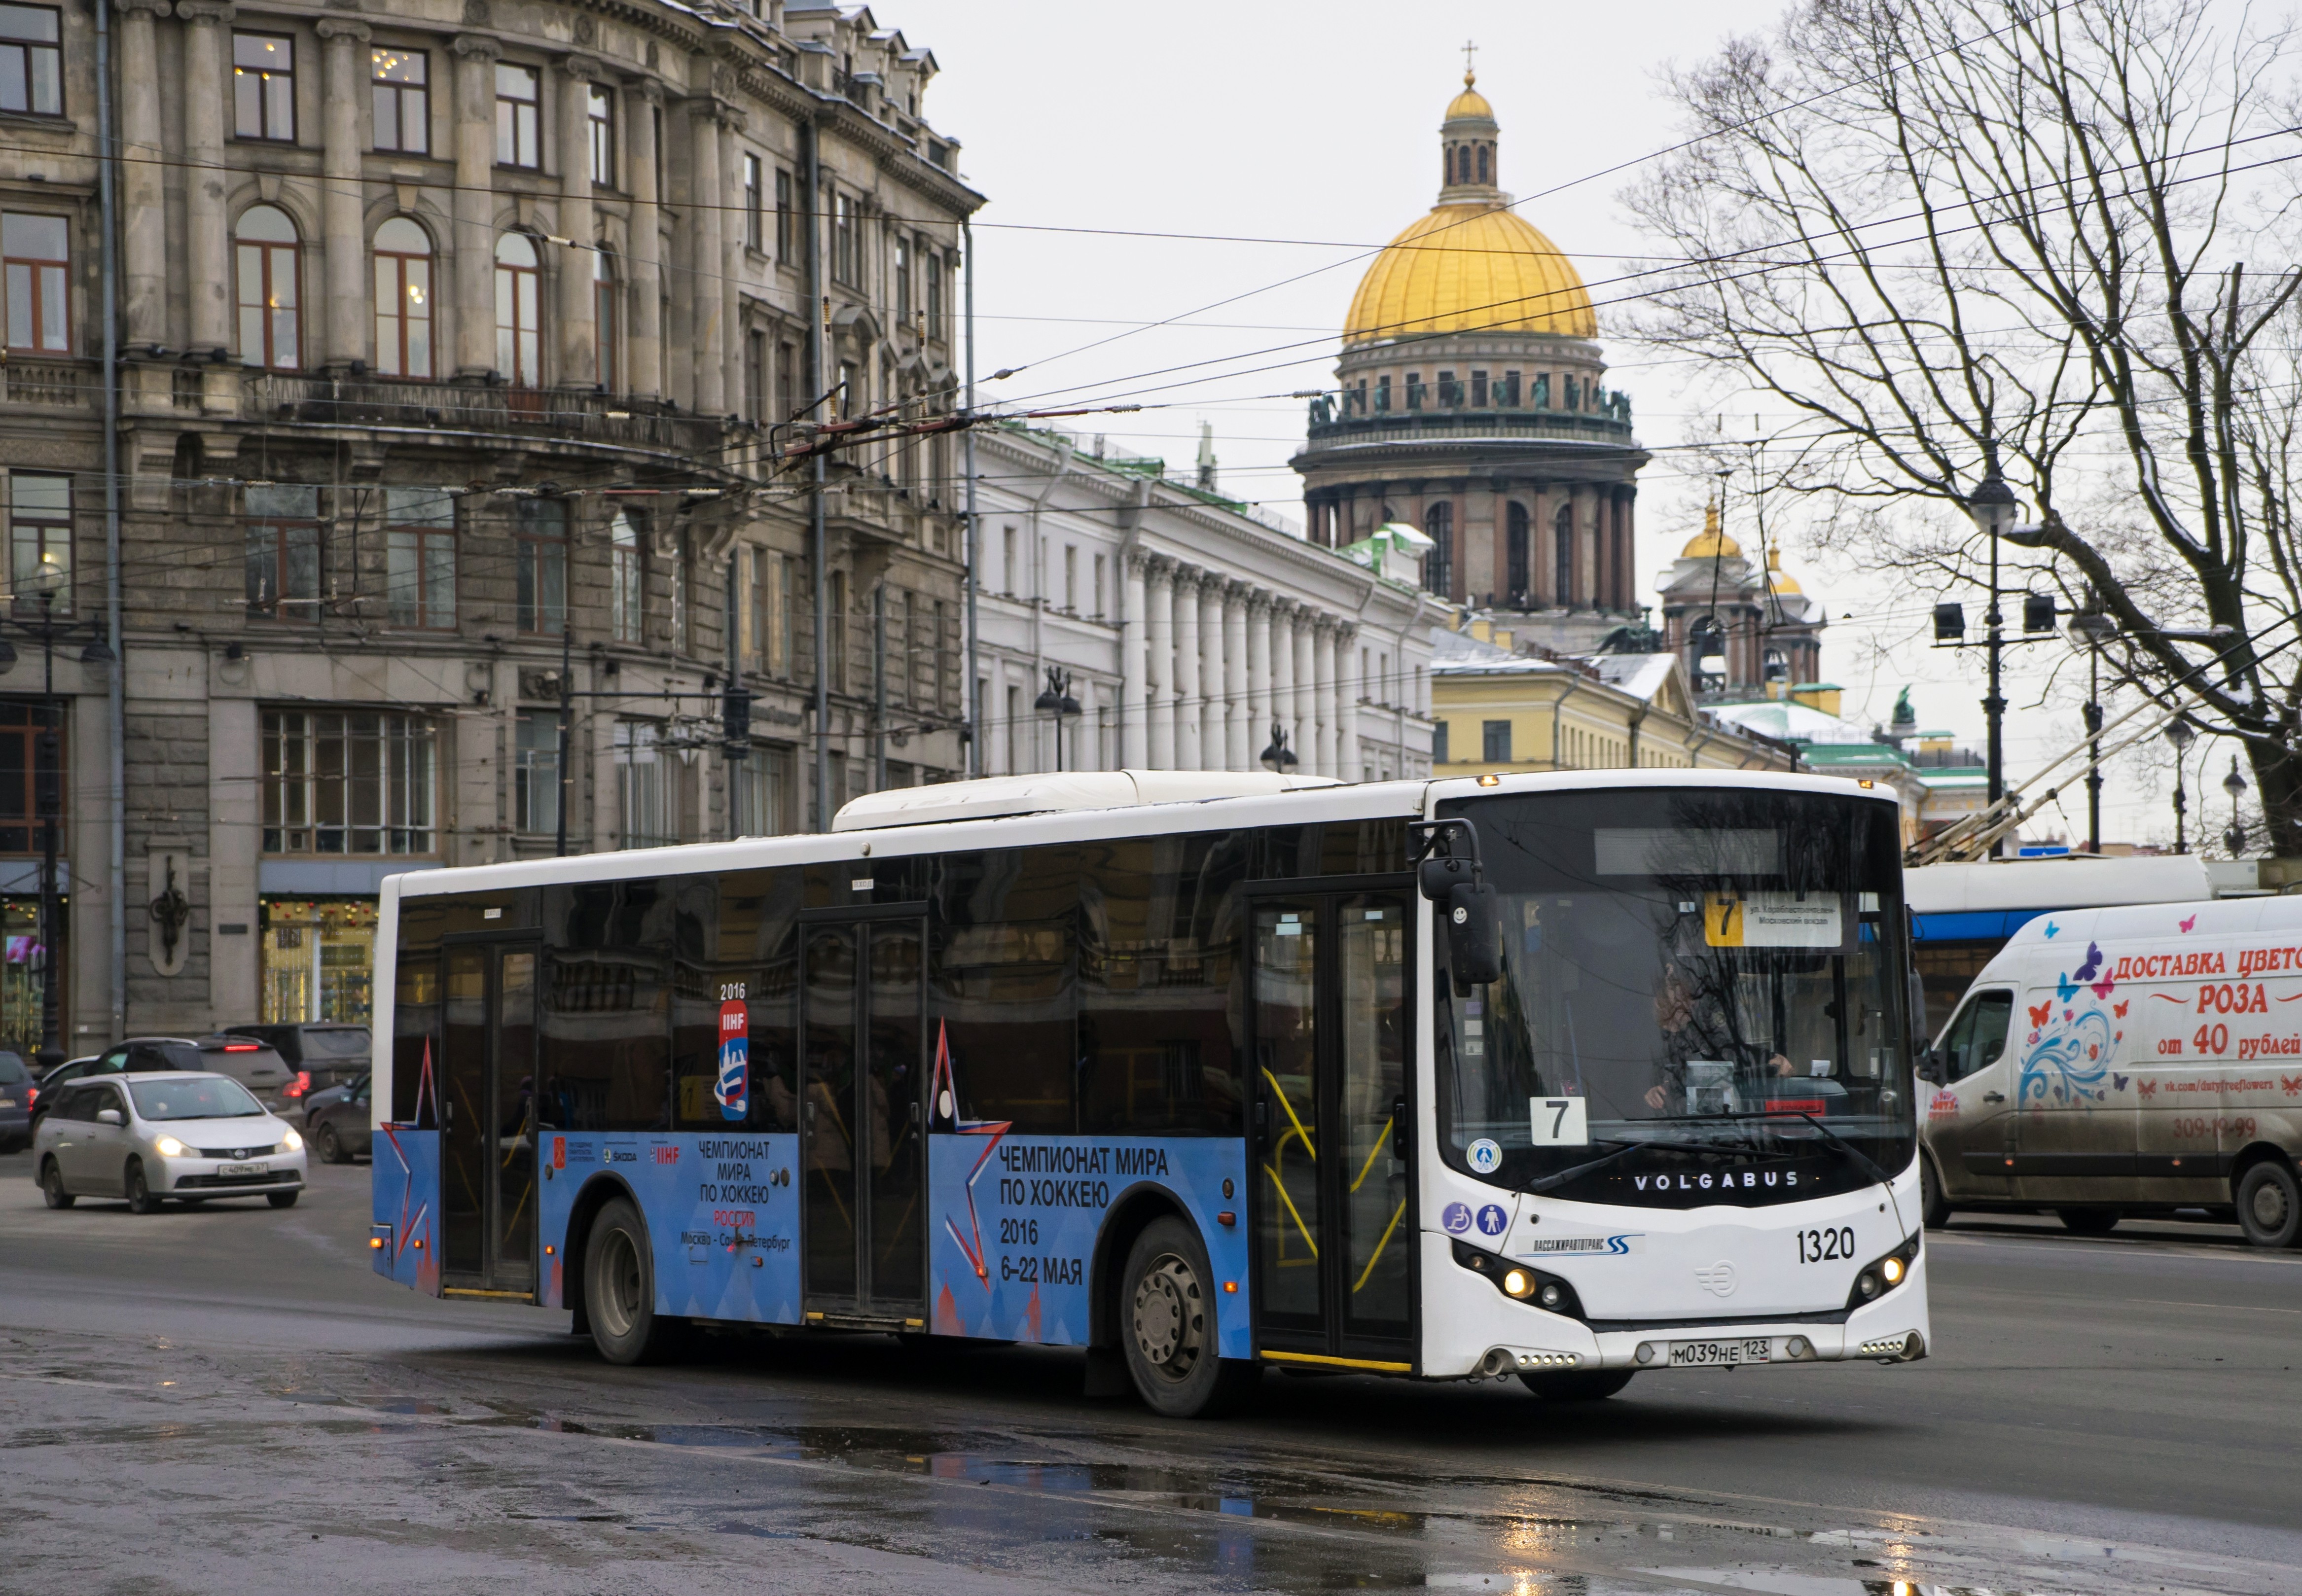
1334	1215
861	1151
487	1119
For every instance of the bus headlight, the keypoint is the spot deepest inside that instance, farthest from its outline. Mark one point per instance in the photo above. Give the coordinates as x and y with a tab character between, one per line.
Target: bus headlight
1522	1282
1882	1275
1518	1282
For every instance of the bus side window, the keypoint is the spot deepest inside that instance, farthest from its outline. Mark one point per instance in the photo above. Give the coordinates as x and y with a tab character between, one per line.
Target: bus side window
738	943
1002	986
1159	953
606	1033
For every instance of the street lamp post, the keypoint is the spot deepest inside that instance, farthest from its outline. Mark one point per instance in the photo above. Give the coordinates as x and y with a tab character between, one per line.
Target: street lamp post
2235	786
1057	701
2181	735
1992	507
2092	628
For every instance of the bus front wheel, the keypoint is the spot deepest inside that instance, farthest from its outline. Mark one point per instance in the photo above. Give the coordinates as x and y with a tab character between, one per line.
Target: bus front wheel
1167	1325
619	1287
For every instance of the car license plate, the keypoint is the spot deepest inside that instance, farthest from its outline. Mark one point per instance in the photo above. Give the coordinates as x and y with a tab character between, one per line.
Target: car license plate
1712	1353
266	1169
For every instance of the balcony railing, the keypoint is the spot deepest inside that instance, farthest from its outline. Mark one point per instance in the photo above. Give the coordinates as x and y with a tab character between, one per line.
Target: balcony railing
51	382
321	401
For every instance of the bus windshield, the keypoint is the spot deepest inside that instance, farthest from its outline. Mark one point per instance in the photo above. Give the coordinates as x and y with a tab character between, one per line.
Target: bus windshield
1700	1000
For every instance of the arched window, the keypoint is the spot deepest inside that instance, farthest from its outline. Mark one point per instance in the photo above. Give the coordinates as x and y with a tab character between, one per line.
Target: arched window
1706	651
1439	566
1514	564
605	297
1483	162
1562	545
271	303
519	324
1778	668
403	299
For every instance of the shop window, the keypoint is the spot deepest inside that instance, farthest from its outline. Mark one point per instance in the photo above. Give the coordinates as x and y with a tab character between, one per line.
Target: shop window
349	782
316	961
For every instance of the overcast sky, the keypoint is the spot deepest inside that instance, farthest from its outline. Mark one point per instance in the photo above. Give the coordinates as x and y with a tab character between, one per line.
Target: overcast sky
1292	140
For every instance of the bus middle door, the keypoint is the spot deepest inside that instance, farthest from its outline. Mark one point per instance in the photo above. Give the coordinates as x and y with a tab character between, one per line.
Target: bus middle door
863	1154
1334	1226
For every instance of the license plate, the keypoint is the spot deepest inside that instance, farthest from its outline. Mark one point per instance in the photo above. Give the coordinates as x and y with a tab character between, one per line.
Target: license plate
1712	1353
244	1169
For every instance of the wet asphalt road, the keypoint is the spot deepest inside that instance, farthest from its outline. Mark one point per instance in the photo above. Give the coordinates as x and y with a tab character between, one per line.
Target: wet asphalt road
227	1400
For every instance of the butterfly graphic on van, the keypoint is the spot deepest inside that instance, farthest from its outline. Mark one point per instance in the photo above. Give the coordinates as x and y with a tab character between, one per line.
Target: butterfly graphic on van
2051	930
2118	1082
2039	1013
2101	989
2093	965
2118	1009
2186	924
2293	1085
2065	988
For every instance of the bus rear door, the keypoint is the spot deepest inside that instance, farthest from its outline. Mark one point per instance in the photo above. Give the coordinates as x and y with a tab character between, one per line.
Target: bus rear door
1334	1211
487	1119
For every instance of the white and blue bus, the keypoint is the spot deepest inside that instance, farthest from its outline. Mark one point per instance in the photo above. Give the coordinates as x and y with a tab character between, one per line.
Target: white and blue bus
1563	1077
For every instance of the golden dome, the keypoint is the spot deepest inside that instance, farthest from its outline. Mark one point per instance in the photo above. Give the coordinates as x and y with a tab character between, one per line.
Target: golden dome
1711	543
1484	268
1776	580
1470	104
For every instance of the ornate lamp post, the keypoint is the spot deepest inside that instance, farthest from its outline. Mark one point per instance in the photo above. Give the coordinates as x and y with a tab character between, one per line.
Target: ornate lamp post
2235	786
1057	701
2181	736
1992	507
1278	758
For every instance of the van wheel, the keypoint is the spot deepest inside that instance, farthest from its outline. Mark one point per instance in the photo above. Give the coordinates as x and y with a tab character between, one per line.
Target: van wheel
1579	1385
1167	1327
140	1199
620	1289
52	1187
2089	1222
2270	1204
1934	1208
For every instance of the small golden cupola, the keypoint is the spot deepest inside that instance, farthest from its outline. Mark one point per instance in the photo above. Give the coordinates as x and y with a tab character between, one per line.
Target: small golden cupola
1466	145
1711	543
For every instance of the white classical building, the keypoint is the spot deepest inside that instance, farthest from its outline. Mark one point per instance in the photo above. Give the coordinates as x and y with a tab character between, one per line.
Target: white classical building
1190	626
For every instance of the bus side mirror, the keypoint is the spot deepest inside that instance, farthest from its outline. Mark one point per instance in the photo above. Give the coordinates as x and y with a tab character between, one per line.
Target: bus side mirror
1473	946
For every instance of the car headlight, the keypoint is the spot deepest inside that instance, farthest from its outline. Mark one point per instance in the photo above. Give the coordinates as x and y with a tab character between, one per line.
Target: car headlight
294	1140
168	1147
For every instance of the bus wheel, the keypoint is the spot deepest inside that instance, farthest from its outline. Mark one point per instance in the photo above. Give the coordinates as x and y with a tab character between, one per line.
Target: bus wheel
2089	1222
2270	1205
1934	1208
1580	1385
619	1287
1167	1322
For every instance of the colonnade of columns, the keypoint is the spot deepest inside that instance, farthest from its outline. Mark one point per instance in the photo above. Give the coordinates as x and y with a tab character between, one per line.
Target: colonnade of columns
1213	663
339	316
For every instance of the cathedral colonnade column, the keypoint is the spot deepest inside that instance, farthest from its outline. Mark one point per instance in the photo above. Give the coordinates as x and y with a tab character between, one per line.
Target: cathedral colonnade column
1323	662
706	233
1257	708
474	244
1213	681
1351	682
1134	663
1239	714
143	201
1159	655
1186	668
1282	674
642	251
1306	688
578	341
344	62
209	275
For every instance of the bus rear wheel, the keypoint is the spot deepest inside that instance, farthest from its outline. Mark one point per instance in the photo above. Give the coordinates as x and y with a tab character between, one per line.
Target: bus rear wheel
1578	1385
620	1289
1167	1327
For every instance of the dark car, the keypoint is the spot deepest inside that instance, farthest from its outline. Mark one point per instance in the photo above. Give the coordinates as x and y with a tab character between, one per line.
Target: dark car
18	1092
336	1121
318	1053
250	1062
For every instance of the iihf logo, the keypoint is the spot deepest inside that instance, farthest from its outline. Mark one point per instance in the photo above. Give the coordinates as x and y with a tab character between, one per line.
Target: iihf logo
733	1090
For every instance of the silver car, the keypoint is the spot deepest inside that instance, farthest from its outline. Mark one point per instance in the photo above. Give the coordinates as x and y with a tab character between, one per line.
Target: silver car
176	1135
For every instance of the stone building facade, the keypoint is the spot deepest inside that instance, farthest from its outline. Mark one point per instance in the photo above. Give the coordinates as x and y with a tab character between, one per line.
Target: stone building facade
457	340
1190	626
1470	402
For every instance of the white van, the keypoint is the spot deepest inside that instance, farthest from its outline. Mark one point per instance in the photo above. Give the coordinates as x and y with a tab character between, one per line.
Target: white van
2124	1060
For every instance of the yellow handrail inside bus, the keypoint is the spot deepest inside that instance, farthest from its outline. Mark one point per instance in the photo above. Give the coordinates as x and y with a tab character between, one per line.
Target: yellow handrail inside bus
1289	1107
1381	1141
1280	1187
1387	1231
